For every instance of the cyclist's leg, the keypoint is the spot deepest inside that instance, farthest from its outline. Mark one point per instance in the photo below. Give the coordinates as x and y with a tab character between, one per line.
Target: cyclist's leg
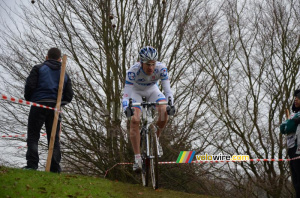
158	96
135	131
162	118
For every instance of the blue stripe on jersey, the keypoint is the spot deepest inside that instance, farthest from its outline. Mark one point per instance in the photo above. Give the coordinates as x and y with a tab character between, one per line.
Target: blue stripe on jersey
160	99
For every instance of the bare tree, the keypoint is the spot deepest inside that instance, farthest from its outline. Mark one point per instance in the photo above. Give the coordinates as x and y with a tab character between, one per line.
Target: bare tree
101	39
233	67
255	67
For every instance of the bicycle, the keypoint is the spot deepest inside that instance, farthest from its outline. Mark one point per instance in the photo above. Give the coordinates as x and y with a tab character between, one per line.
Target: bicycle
149	142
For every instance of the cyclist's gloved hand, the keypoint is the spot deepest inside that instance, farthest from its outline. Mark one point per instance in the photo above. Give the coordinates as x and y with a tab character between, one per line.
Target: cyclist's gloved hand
170	110
128	112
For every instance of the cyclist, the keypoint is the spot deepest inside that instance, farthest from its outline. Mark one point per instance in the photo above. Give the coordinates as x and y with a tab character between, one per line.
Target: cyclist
141	80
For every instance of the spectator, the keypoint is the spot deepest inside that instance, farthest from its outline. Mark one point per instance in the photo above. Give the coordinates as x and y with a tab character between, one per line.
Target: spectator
292	129
42	87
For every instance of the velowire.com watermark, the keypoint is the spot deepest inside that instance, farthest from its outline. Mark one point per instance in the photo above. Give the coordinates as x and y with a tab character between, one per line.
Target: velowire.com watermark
187	157
222	157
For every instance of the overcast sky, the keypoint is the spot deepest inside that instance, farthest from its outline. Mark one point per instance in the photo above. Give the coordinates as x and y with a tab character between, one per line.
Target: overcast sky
8	7
11	8
10	148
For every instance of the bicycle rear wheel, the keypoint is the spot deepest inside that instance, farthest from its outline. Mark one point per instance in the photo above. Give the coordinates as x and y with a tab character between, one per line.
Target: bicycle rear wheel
153	158
145	160
145	171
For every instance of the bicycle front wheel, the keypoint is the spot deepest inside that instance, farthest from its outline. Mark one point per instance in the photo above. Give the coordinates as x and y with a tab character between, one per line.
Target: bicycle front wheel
145	160
145	171
153	158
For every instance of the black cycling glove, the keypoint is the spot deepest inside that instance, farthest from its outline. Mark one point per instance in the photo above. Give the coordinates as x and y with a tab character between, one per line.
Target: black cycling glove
170	110
128	112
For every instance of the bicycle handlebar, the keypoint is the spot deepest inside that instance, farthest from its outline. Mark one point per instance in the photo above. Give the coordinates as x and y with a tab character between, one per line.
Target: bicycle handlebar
144	103
148	103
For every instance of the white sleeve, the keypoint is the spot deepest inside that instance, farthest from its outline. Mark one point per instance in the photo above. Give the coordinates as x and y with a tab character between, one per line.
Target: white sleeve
167	89
165	82
130	76
126	95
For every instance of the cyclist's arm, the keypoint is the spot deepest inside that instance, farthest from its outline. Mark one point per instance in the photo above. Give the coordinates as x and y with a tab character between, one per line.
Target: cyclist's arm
127	88
165	83
126	95
167	89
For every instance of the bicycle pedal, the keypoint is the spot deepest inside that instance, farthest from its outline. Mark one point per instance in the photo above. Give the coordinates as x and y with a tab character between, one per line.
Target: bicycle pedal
138	171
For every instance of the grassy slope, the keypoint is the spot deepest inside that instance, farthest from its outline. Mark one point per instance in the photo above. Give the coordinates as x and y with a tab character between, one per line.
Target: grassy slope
26	183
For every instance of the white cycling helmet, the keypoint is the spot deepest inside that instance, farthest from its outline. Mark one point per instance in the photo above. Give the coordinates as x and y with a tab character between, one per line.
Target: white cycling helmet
148	53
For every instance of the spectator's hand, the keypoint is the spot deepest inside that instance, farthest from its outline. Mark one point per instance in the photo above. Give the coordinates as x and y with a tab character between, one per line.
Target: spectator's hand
291	126
171	110
282	127
129	112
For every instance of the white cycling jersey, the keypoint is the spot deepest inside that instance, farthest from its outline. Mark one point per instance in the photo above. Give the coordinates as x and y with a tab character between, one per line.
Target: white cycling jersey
139	84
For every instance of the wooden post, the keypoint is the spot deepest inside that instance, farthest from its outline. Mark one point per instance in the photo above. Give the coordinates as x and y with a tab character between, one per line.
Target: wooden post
56	113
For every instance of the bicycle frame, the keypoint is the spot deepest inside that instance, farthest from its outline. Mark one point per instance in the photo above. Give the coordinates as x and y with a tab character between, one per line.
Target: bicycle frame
148	136
147	117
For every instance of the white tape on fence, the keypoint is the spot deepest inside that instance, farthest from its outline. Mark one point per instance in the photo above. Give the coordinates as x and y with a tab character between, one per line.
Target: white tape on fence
27	103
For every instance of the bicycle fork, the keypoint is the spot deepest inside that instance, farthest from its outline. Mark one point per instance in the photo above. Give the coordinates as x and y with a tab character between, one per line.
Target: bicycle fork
148	129
155	139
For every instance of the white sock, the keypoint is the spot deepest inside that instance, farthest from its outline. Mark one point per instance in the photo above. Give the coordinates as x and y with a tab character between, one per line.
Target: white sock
158	141
137	157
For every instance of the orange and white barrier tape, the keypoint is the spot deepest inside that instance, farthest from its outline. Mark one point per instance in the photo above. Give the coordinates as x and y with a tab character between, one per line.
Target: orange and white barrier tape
13	136
16	136
19	147
115	166
24	102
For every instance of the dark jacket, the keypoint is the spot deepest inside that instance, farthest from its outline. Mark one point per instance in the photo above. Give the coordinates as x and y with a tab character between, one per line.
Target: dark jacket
43	81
